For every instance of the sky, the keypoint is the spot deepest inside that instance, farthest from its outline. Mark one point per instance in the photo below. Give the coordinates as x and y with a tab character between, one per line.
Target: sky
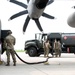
60	9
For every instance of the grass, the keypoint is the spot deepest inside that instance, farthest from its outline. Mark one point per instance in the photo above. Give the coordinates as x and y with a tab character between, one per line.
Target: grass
19	50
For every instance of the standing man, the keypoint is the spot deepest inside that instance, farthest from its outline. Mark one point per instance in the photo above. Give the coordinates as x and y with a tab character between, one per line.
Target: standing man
9	43
46	47
57	48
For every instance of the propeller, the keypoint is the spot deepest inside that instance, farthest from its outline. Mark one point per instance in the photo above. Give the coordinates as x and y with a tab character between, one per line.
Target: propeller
18	3
18	14
38	24
28	1
47	16
36	21
26	23
50	1
28	18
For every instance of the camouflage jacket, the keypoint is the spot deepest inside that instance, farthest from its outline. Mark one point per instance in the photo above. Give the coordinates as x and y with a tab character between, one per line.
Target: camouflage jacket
9	42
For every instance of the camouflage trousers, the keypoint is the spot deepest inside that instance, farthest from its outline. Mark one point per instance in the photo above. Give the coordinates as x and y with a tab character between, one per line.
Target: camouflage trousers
57	52
46	52
8	52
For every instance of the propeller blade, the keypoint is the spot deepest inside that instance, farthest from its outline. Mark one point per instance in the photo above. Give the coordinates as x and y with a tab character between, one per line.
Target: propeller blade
18	3
50	1
28	1
38	25
47	16
18	14
26	23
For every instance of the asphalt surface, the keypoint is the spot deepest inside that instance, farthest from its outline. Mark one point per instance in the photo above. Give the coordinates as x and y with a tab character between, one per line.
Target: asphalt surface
65	65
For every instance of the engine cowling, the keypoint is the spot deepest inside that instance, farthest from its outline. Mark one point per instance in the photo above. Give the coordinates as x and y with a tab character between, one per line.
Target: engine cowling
71	20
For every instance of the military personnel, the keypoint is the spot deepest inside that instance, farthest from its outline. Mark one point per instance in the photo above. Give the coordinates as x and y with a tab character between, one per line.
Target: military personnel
46	47
9	43
57	48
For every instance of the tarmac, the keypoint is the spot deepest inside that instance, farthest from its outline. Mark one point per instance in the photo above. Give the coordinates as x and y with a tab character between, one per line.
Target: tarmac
65	65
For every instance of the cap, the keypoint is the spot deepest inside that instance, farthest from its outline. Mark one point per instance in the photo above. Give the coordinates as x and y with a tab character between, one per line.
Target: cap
9	32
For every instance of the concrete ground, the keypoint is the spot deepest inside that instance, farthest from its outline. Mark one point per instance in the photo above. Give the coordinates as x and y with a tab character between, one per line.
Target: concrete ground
65	65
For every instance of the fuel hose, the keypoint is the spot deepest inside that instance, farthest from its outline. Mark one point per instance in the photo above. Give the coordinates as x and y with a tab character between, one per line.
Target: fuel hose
31	62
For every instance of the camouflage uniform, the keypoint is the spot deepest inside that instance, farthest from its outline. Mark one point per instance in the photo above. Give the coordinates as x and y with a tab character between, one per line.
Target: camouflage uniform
9	43
46	47
57	48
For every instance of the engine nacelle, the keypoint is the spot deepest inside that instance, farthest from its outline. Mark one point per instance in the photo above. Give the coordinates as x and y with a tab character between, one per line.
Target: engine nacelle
71	20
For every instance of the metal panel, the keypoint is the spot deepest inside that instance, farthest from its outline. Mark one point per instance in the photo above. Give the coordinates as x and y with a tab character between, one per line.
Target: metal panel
54	36
68	39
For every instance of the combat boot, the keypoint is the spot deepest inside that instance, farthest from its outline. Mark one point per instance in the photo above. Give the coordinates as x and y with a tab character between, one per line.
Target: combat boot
14	64
7	64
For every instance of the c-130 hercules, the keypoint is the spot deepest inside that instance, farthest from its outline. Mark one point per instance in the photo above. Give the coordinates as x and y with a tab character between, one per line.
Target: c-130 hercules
34	9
